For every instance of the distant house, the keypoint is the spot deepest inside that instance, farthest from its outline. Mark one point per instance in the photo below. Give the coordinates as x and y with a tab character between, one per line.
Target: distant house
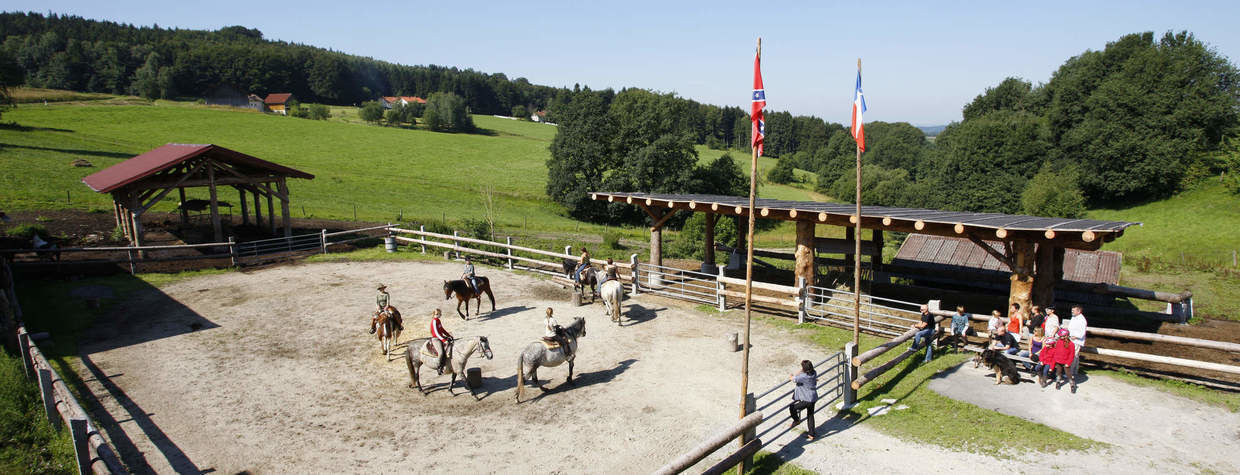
256	103
226	95
539	116
388	101
278	102
406	100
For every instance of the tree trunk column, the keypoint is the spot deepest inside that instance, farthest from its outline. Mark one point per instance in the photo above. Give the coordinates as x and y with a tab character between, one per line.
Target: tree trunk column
804	253
245	207
656	246
708	250
1022	276
1048	273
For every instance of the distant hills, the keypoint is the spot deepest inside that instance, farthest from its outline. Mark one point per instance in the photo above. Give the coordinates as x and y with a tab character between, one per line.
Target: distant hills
931	130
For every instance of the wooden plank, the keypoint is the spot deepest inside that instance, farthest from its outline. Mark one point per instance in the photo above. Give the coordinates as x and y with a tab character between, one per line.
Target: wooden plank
710	445
788	289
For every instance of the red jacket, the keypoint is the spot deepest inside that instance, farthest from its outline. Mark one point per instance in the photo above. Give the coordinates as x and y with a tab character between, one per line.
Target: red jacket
437	331
1060	352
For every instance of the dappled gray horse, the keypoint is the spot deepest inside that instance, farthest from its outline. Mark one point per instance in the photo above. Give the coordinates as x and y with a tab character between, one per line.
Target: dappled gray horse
417	355
541	353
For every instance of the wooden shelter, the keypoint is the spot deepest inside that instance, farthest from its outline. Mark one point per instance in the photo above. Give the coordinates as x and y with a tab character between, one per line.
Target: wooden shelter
1032	247
138	183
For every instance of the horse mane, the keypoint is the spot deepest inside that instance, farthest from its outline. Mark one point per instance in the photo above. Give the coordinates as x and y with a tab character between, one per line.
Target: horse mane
576	326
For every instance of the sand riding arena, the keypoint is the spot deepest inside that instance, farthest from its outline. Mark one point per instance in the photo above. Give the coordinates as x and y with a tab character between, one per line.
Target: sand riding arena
274	371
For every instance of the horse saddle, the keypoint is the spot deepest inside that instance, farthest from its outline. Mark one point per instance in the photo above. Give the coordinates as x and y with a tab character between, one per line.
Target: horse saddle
550	342
429	348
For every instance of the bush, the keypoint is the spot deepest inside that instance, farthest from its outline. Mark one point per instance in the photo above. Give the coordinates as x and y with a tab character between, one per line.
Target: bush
520	112
371	112
1054	194
447	112
476	228
27	231
689	244
320	112
782	173
611	240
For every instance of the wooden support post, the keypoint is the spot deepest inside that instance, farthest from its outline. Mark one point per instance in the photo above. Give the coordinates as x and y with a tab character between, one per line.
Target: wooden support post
455	244
637	288
422	237
1021	290
850	375
80	434
508	250
23	343
751	405
49	398
116	211
708	250
877	259
245	207
282	187
136	219
258	209
215	207
656	246
802	294
719	289
849	235
271	213
804	267
323	239
232	250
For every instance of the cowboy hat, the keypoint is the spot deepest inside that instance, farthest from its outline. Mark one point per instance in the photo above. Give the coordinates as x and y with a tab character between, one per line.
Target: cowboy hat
381	287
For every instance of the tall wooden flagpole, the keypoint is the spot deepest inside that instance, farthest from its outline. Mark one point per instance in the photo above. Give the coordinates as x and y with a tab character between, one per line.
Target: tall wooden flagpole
857	245
753	191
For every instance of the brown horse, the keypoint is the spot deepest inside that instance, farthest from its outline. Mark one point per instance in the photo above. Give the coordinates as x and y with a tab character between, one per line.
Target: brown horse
588	277
386	326
464	292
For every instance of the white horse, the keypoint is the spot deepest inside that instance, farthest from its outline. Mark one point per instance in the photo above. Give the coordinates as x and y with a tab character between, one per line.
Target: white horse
537	354
613	293
463	349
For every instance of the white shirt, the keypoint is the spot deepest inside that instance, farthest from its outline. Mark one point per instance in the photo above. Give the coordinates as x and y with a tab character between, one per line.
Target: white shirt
551	324
993	324
1051	324
1076	329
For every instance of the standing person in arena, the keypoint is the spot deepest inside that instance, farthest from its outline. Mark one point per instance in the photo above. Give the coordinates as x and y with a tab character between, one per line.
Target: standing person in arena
804	396
1077	327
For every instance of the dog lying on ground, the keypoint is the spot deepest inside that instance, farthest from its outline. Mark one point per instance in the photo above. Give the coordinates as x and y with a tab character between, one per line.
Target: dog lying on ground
1002	366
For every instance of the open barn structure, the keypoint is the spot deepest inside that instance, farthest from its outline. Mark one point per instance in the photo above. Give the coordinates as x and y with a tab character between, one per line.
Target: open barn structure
1031	247
138	183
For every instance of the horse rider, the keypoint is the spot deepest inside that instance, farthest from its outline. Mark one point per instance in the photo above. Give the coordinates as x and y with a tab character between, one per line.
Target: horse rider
468	276
610	272
585	263
441	339
555	333
382	301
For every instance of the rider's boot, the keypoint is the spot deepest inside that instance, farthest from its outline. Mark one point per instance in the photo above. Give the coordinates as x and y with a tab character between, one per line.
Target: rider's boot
439	367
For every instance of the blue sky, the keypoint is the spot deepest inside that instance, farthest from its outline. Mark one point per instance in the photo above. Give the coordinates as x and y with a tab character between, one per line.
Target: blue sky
922	60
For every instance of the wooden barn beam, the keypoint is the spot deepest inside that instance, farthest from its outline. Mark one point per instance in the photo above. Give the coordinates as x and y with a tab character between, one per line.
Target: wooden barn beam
1021	290
284	212
215	208
245	207
258	208
271	215
708	246
165	191
804	253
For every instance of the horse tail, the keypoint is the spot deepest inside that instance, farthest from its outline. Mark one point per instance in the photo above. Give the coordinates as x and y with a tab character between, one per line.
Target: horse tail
520	374
490	295
409	360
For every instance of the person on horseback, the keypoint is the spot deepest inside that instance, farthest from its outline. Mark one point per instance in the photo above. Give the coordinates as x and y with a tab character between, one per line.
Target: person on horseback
610	272
585	264
441	339
468	276
382	301
555	333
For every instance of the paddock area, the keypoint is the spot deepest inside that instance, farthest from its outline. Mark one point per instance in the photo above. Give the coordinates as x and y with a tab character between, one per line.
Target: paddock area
273	371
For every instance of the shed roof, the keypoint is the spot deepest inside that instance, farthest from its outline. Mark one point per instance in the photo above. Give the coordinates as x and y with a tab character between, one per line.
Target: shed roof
1071	232
278	98
413	99
945	254
167	156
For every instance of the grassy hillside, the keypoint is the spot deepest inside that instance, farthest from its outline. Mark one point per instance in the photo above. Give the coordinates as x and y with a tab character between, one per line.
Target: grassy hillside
1186	242
384	171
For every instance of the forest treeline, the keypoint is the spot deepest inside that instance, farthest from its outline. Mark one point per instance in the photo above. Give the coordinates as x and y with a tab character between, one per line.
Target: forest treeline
1138	120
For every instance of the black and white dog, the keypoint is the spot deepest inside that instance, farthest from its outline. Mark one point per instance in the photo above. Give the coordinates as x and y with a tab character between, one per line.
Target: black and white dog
1002	366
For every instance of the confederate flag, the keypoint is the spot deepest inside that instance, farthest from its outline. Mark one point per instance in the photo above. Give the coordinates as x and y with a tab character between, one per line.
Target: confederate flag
759	102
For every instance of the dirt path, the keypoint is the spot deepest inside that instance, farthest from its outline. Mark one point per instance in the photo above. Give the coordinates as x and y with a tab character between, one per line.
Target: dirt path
307	389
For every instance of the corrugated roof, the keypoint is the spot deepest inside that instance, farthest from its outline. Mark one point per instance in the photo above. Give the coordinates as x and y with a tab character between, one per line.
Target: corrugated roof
825	210
941	253
167	156
413	99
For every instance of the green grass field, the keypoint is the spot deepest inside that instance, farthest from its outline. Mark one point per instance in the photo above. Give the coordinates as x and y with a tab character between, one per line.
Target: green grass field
383	171
1185	243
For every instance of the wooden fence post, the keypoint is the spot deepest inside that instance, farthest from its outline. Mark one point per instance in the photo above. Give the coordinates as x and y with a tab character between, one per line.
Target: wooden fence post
637	289
232	250
23	342
801	294
850	375
719	288
751	405
323	240
422	237
568	251
455	244
133	268
78	430
49	398
508	241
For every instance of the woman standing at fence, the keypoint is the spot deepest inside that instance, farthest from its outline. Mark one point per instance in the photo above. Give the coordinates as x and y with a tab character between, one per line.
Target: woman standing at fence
804	396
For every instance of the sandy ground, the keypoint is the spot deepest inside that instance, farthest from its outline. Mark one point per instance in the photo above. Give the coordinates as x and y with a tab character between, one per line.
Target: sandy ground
305	388
204	375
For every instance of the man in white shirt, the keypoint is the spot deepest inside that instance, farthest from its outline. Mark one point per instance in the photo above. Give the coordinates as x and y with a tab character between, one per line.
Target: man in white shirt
1077	327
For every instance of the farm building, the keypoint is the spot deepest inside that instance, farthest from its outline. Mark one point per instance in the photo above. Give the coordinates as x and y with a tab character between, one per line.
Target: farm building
139	183
278	102
388	101
227	95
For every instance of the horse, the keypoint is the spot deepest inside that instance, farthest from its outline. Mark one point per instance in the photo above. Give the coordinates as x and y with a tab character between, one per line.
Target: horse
463	349
588	277
612	292
385	325
464	292
538	354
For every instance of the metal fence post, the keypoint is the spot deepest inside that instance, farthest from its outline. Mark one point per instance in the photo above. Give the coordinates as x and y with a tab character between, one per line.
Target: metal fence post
232	250
850	375
801	294
49	399
81	436
719	288
422	237
508	241
633	265
23	342
323	240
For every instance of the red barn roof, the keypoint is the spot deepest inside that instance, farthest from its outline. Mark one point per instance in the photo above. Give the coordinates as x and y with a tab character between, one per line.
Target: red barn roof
278	98
168	156
413	99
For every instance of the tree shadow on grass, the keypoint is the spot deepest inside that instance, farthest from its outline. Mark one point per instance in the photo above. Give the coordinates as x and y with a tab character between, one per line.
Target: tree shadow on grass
27	128
74	151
